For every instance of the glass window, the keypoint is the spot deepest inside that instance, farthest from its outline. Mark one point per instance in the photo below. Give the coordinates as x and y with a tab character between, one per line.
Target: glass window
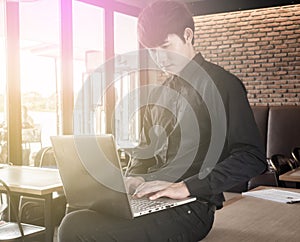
3	140
126	81
88	52
39	74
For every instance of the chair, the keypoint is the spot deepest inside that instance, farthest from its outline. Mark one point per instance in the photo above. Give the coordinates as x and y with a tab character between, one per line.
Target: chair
31	210
283	164
32	135
17	231
3	205
296	155
268	178
45	158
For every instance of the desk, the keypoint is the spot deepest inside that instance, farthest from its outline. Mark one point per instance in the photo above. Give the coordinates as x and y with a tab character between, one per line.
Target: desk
291	176
253	219
34	182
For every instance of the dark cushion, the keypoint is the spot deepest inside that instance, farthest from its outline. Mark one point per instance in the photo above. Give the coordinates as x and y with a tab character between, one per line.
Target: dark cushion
261	118
283	130
268	178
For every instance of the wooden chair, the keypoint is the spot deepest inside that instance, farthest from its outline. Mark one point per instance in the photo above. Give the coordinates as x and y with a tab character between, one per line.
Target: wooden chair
296	155
31	210
17	231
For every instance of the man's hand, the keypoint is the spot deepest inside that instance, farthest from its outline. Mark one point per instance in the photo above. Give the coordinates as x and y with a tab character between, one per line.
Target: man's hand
157	189
132	183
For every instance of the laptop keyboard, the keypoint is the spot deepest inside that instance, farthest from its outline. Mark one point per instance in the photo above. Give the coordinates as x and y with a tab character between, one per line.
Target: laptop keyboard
144	204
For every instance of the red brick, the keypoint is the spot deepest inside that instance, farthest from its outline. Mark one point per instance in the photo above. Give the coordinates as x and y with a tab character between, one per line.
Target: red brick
288	67
267	91
287	14
287	86
267	47
254	39
286	22
273	60
277	42
275	104
234	37
275	95
260	69
274	51
274	78
262	43
295	90
278	90
292	52
295	18
267	65
260	34
288	59
283	37
272	24
267	38
283	65
227	42
257	65
279	28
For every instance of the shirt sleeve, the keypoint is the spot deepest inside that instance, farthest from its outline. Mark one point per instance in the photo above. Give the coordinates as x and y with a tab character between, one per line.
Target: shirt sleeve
243	156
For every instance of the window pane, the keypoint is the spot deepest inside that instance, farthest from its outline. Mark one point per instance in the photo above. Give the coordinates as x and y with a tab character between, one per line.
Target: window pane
39	62
126	69
3	140
88	38
125	31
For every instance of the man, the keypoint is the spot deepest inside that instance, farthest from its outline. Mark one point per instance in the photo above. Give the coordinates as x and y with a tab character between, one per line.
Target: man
222	150
27	120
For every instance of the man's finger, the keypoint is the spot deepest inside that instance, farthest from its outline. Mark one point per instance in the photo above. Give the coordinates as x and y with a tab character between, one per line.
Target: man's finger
157	195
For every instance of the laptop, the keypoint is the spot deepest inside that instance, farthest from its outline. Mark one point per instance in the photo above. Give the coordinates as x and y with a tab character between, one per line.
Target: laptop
92	177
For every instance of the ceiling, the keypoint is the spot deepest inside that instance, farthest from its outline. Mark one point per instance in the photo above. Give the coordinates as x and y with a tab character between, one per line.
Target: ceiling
143	3
199	7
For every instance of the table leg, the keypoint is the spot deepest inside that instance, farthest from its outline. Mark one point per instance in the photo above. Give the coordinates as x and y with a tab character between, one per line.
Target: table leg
48	218
13	204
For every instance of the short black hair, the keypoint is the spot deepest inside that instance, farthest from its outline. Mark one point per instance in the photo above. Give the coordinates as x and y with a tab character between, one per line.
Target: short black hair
161	18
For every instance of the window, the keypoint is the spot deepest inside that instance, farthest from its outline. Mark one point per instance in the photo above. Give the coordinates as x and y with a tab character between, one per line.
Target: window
88	56
54	50
127	80
3	120
39	74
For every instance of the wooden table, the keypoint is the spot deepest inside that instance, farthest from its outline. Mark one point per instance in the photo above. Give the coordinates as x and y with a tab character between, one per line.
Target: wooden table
34	182
291	176
251	219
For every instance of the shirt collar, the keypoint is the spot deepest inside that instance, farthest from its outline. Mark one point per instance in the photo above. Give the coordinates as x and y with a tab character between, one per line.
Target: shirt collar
192	66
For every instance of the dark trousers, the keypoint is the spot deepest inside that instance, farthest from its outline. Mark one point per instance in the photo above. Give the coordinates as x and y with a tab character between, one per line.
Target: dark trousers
190	222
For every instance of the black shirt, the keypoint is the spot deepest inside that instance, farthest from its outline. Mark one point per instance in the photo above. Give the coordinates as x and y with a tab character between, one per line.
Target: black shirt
199	127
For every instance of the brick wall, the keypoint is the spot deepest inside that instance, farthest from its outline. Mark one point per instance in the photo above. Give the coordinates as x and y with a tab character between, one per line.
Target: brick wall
261	47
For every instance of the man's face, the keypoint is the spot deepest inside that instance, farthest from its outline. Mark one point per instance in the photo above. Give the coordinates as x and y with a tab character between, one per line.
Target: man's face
173	55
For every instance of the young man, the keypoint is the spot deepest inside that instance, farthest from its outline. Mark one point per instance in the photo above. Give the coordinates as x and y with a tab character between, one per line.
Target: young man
207	141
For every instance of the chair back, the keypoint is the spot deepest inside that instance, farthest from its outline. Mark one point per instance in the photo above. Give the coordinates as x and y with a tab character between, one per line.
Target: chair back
16	231
45	158
296	154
